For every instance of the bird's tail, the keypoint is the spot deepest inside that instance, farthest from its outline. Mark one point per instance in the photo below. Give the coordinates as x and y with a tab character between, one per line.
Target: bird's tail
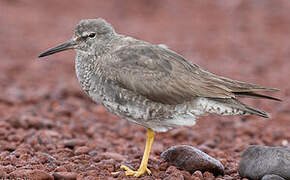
238	107
255	95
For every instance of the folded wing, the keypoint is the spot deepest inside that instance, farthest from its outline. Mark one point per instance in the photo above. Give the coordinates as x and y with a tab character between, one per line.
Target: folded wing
163	76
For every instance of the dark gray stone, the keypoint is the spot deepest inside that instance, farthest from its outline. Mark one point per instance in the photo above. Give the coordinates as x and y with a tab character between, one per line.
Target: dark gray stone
272	177
258	161
191	159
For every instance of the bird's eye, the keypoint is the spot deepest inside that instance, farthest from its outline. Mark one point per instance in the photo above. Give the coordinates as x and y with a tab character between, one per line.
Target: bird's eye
92	35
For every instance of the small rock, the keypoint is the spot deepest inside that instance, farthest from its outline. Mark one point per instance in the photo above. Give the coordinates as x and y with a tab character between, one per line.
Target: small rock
60	169
65	175
74	142
31	174
191	159
171	169
197	174
45	158
208	175
82	150
8	169
173	174
108	164
186	175
63	152
49	134
2	173
272	177
258	161
39	175
196	178
176	176
9	147
111	155
163	166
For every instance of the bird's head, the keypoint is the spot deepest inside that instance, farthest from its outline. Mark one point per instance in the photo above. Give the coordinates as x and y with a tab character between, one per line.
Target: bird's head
89	34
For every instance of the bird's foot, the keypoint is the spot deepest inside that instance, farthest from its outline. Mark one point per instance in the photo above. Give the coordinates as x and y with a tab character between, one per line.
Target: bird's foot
138	173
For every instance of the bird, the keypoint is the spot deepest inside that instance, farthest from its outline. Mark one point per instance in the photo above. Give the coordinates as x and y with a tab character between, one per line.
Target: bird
151	85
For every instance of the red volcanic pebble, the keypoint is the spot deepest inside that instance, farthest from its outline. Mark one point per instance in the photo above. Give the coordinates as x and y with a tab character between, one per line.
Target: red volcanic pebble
31	174
2	173
82	150
50	129
110	155
74	142
197	174
208	175
65	175
173	173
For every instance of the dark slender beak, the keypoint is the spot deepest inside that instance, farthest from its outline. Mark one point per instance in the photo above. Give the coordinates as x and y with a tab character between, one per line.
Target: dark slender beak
62	47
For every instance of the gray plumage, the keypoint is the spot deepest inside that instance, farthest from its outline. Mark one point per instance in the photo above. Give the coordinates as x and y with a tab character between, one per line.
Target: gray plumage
149	84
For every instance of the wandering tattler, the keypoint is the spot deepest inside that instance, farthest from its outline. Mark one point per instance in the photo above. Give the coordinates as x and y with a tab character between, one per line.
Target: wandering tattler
150	85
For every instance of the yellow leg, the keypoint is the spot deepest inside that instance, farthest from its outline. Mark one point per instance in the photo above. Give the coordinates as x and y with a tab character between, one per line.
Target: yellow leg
143	167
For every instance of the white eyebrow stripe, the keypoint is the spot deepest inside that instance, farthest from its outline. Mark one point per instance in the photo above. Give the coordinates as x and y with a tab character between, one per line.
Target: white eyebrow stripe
85	34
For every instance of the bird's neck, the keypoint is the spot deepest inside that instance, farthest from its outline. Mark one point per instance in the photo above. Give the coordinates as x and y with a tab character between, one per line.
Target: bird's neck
89	67
90	73
84	69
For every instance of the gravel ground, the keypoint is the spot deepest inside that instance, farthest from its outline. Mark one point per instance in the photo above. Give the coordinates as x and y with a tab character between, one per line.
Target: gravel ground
50	129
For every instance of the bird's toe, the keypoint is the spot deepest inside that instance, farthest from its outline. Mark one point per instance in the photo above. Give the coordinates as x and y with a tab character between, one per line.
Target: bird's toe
140	172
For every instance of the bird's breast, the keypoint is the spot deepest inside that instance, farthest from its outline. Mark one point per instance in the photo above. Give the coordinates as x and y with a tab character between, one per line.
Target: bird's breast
93	78
85	67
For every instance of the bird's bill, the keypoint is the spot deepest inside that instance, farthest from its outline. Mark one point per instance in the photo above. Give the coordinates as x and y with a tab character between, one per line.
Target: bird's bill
62	47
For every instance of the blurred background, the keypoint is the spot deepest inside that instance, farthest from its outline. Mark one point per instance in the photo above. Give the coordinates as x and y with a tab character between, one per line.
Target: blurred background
247	40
